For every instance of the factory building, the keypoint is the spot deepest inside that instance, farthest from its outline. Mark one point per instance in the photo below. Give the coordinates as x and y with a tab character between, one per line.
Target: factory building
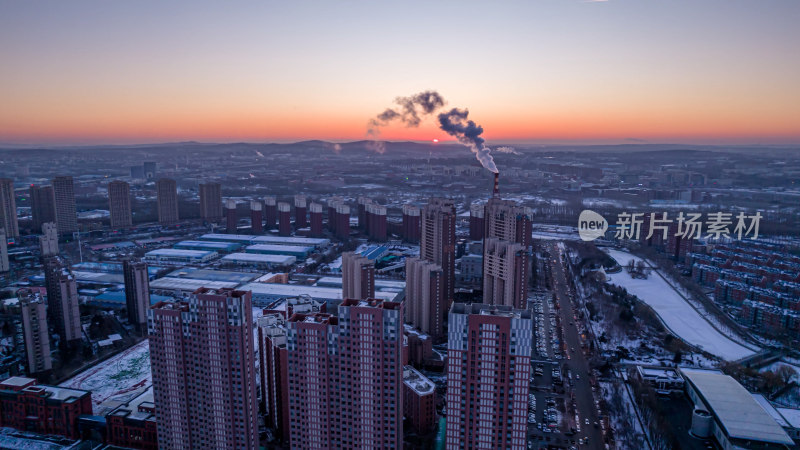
177	256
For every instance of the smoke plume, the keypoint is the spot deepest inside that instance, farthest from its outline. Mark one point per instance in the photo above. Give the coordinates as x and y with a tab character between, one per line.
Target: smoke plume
409	111
511	150
456	124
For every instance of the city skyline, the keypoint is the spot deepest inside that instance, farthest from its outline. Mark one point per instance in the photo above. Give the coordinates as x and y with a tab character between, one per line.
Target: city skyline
541	72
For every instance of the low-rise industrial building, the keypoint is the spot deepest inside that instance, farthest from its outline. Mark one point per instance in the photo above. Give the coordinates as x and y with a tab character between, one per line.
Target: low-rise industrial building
665	380
222	247
299	251
177	256
724	409
259	261
265	293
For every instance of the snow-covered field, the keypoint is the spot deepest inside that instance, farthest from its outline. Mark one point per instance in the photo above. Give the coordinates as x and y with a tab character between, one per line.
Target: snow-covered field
675	312
124	373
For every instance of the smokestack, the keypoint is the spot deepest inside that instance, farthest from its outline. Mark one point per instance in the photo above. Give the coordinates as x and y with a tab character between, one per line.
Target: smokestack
496	184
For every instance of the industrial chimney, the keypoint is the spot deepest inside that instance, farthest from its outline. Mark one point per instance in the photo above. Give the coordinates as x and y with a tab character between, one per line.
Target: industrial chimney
496	184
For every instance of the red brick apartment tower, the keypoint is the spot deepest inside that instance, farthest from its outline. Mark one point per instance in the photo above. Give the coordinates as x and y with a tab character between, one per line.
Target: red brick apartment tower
376	219
27	406
256	217
231	218
300	211
315	212
411	223
358	276
342	221
215	407
270	211
488	370
274	378
419	400
362	212
346	377
438	241
476	221
284	219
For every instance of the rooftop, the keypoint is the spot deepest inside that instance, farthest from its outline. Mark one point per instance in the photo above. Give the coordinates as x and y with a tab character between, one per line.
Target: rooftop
294	290
418	382
736	410
489	310
261	258
174	252
189	284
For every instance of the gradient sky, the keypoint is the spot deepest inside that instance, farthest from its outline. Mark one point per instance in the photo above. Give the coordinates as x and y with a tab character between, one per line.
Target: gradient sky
694	71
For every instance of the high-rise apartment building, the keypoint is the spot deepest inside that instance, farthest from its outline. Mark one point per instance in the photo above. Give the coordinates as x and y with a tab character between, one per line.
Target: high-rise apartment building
231	219
361	204
43	206
271	211
315	214
300	211
149	169
284	219
505	268
507	221
4	264
425	302
211	202
63	309
477	224
167	198
411	223
119	204
358	276
256	217
273	364
137	292
376	222
488	371
48	241
66	211
346	377
35	332
204	381
438	242
8	208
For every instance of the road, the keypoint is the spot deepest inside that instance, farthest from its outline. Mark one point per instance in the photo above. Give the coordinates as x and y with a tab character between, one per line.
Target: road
577	362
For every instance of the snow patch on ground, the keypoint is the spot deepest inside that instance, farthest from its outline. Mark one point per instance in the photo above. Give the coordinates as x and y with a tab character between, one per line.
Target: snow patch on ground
120	375
676	314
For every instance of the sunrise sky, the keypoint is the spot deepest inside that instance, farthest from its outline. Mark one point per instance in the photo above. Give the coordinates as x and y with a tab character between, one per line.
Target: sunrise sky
688	71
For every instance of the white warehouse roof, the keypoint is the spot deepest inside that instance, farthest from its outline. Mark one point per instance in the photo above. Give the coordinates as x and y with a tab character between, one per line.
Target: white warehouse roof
735	409
284	260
